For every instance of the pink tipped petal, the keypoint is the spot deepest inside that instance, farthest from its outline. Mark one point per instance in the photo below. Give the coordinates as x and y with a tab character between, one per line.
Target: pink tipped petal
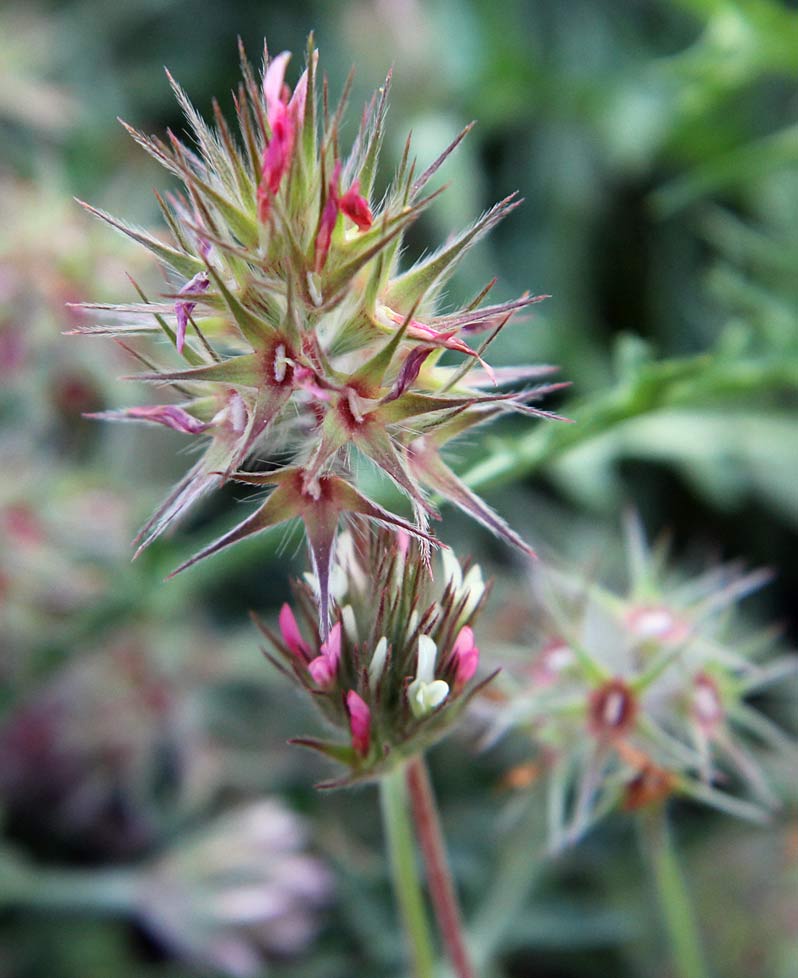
359	722
183	311
331	648
282	120
166	414
322	672
408	372
463	642
290	632
355	206
273	80
466	657
184	308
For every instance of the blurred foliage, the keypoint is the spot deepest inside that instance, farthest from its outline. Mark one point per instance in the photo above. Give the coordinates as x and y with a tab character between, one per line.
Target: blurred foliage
656	145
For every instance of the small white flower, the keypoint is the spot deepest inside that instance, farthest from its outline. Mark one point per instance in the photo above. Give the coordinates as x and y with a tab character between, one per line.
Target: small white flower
349	623
468	588
426	693
377	664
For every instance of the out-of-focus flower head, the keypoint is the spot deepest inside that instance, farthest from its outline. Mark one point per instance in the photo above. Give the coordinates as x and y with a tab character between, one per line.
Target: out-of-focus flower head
301	338
241	890
399	662
60	539
122	738
634	697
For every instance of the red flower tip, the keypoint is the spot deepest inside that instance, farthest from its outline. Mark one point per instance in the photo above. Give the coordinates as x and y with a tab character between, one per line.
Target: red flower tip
359	722
356	207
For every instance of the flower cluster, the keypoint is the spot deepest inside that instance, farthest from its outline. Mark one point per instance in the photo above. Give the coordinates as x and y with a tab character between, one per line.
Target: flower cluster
243	889
633	698
399	662
302	340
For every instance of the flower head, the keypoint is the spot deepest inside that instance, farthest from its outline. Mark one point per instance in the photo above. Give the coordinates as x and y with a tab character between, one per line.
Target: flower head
242	889
394	673
303	343
635	697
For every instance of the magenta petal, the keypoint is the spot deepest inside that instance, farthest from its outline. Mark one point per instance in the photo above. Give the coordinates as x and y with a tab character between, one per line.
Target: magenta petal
408	372
332	646
464	641
359	722
184	308
290	632
465	655
356	208
322	671
166	414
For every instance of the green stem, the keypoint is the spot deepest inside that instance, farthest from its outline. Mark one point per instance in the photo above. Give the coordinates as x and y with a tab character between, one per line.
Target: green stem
114	892
655	387
520	868
673	896
404	870
439	878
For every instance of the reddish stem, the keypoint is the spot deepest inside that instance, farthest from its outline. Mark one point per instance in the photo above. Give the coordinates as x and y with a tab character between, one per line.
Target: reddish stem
439	879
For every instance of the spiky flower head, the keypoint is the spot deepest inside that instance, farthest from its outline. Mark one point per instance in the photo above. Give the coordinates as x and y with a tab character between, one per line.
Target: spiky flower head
632	698
300	336
400	660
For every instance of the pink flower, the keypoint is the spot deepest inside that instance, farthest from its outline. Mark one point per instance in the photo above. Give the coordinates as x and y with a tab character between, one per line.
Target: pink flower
168	415
359	722
351	204
324	667
282	117
291	634
184	308
422	331
465	655
356	207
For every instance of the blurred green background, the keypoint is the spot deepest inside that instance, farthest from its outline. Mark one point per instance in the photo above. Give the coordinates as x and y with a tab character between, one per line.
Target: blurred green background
656	146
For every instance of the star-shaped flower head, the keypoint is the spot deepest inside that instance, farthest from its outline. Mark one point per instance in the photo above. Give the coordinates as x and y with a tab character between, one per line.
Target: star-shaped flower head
634	697
304	344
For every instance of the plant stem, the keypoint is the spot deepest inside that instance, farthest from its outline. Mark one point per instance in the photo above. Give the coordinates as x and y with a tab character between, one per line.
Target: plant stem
656	387
674	900
113	892
404	870
520	867
441	886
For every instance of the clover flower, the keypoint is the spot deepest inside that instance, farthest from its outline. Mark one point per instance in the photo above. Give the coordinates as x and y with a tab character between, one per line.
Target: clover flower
301	338
398	664
242	889
633	698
